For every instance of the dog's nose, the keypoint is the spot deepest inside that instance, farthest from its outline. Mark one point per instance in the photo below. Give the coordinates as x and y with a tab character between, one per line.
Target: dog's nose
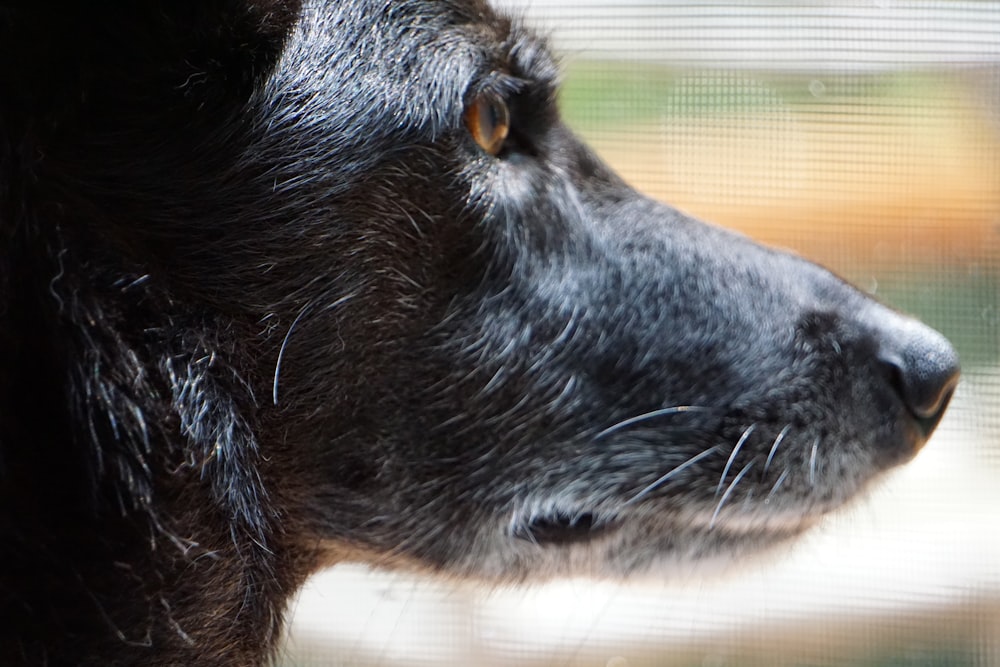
923	369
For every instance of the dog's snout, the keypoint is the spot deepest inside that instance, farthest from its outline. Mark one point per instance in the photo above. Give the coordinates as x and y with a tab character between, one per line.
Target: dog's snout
922	366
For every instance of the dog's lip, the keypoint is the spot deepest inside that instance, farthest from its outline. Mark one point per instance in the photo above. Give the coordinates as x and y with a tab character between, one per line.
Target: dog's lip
583	527
564	529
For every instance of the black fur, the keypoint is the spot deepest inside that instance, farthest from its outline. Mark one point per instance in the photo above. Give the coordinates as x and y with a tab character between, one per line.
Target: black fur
266	305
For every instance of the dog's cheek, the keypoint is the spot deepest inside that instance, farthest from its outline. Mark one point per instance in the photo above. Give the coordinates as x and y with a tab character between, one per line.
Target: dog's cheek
358	390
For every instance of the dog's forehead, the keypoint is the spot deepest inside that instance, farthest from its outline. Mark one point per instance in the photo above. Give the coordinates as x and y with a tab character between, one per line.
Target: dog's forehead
411	62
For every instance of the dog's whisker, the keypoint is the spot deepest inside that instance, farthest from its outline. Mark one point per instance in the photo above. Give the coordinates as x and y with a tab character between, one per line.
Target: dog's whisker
781	478
729	492
288	334
677	409
774	448
732	457
812	462
673	472
281	351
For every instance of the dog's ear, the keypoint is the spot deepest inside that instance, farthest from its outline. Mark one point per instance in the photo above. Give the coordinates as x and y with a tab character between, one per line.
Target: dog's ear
61	61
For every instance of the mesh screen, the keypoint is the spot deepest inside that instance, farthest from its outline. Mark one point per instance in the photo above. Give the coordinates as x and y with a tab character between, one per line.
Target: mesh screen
866	136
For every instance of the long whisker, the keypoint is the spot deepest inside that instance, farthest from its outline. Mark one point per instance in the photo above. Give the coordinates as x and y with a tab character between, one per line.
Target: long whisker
672	473
729	491
288	334
677	409
732	457
774	448
281	352
812	462
781	479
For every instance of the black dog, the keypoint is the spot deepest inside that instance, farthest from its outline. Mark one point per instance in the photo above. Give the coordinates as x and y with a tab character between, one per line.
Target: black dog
284	285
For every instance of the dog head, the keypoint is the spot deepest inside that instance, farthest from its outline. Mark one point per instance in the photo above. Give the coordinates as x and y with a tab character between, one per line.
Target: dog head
498	359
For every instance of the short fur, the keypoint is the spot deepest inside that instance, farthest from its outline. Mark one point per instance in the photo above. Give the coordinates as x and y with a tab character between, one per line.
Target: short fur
265	305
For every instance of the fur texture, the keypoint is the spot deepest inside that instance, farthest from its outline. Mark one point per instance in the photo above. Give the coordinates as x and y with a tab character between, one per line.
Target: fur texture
266	304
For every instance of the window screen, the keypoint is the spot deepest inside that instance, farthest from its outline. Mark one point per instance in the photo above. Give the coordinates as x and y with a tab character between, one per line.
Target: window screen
866	136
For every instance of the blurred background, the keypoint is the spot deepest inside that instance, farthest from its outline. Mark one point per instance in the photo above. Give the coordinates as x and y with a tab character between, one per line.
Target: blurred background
866	136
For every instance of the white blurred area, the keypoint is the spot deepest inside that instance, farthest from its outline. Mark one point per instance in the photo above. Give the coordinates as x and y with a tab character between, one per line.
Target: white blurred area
907	576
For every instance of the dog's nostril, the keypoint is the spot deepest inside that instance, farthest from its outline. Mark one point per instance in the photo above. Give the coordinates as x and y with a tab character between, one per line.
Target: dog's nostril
923	369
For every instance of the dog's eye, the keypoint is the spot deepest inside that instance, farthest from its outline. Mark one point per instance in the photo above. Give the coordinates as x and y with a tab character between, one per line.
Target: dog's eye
488	120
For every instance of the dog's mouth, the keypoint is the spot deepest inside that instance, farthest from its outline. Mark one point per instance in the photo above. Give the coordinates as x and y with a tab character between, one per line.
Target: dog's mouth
563	529
559	529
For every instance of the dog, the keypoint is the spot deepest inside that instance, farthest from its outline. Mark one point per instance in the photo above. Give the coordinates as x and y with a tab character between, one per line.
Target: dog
287	284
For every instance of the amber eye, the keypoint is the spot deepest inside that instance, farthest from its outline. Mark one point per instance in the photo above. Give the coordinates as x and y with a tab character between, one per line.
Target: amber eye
488	120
